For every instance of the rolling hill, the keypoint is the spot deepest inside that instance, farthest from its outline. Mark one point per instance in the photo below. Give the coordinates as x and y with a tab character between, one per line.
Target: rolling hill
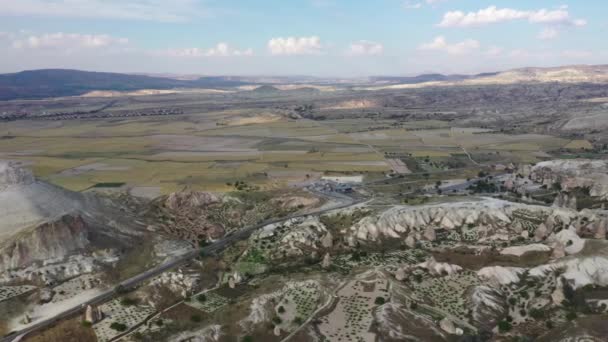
36	84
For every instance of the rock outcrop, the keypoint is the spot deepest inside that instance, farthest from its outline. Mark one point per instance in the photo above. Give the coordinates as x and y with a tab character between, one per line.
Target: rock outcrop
487	305
93	314
574	173
491	218
52	240
188	213
42	222
565	200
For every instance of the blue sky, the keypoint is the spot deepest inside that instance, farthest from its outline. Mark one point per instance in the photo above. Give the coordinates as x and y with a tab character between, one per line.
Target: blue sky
313	37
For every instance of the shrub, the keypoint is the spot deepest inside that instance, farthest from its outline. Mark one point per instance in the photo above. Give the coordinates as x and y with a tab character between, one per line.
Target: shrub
277	320
128	301
118	326
549	324
298	320
281	309
536	313
195	318
247	338
414	306
201	298
504	326
571	315
380	300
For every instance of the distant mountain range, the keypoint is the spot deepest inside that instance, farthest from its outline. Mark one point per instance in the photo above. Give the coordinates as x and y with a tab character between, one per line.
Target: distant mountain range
569	74
36	84
425	78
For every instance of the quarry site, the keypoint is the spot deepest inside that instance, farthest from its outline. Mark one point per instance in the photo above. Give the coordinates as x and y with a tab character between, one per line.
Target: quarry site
309	210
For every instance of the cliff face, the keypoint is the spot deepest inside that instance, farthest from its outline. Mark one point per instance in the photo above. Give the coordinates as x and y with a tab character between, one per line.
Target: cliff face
53	240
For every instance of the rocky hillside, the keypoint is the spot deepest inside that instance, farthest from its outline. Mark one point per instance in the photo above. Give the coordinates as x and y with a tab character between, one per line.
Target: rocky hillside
572	174
41	221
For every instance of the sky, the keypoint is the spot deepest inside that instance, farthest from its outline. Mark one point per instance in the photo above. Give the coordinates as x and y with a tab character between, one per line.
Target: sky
326	38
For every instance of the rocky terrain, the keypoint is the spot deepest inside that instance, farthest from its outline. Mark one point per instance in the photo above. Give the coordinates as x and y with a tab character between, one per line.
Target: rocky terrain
44	223
572	174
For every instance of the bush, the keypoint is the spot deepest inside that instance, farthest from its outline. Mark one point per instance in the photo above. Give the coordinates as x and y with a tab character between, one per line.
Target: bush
277	320
128	301
571	316
414	306
195	318
380	300
118	326
281	309
298	320
549	324
536	313
504	326
247	338
201	298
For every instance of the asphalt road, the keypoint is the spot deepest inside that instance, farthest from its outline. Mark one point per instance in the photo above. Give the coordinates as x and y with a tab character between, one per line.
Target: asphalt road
135	280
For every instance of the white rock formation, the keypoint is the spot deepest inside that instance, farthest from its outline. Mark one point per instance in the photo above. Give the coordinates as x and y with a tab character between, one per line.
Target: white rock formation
327	241
574	173
571	241
326	263
439	268
492	218
500	275
400	274
578	270
448	326
178	282
93	314
521	250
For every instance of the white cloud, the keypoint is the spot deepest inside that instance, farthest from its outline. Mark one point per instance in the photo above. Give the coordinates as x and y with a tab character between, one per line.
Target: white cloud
365	48
548	33
409	4
460	48
220	50
295	46
493	15
412	5
67	41
154	10
494	51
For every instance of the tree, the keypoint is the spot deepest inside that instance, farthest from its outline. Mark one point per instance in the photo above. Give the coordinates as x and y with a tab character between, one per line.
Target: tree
247	338
281	309
380	300
201	298
195	318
